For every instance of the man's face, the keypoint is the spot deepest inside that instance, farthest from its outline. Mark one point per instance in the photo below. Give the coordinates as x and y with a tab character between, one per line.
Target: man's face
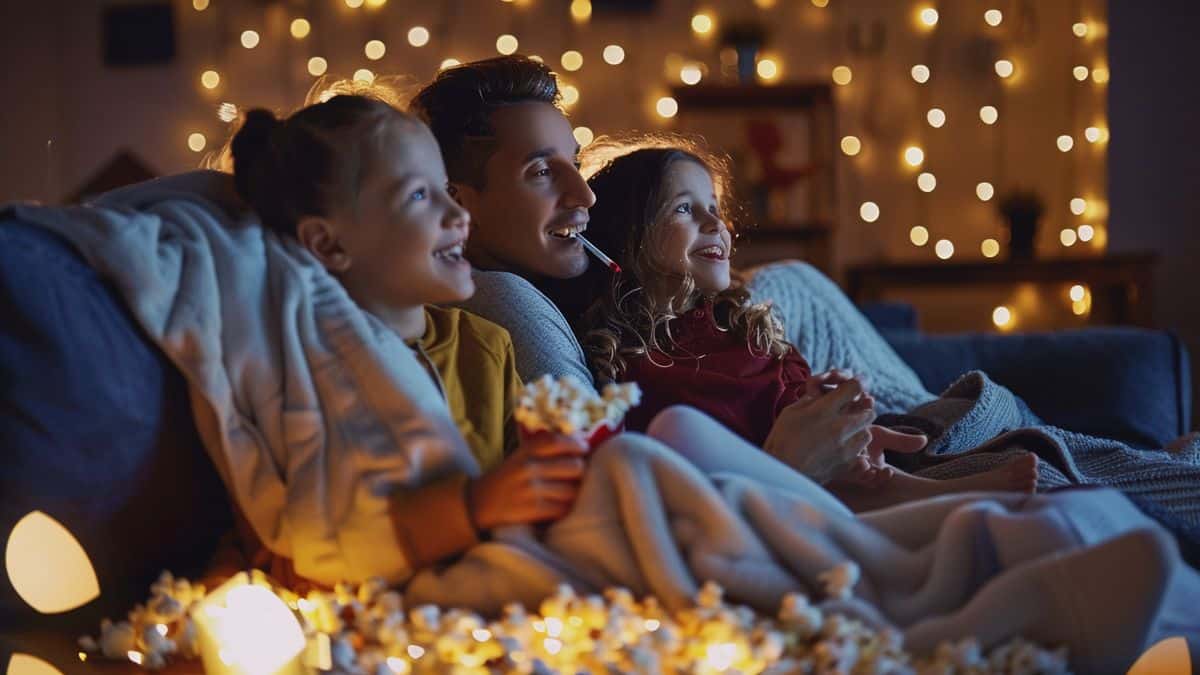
533	201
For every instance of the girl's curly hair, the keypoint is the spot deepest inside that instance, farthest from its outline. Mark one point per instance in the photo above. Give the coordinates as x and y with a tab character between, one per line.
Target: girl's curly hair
631	311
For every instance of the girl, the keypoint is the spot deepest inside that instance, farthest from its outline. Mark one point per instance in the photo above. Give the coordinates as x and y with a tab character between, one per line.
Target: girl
678	322
362	187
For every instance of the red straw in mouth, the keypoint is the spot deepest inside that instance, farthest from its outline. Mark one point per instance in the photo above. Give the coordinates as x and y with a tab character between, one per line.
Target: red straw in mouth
612	264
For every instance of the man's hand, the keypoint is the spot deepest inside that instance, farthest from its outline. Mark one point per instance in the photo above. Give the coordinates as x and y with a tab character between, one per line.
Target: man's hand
536	483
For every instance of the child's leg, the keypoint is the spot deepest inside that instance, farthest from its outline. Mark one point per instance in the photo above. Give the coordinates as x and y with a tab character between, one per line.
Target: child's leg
1019	474
715	449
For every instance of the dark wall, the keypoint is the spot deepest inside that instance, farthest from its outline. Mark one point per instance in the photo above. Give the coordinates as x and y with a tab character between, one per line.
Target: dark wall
1154	153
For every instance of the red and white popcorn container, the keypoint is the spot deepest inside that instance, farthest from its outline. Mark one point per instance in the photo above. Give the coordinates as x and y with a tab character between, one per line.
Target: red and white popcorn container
568	407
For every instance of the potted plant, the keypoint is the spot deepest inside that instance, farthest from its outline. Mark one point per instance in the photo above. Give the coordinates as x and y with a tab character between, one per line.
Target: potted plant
1022	211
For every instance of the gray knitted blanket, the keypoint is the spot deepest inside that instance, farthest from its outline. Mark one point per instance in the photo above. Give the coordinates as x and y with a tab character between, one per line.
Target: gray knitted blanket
976	424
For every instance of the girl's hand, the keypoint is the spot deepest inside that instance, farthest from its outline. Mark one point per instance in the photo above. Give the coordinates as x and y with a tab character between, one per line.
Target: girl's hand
537	482
820	434
863	472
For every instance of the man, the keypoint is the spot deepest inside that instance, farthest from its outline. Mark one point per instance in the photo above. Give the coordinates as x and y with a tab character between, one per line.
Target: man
512	160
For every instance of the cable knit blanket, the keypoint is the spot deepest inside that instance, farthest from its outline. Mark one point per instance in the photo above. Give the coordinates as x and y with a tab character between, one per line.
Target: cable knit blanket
977	423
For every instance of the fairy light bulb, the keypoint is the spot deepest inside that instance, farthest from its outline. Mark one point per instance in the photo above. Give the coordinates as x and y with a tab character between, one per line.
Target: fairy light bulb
985	191
570	94
1004	68
920	73
354	4
990	248
767	69
842	75
1093	134
988	114
1086	232
1080	29
690	74
1065	143
227	112
1100	75
418	36
1080	73
614	55
250	39
196	141
199	5
1077	293
317	66
364	75
944	249
507	44
914	156
666	107
869	212
1078	205
929	16
300	28
375	49
1002	316
851	146
936	117
581	10
702	24
583	136
210	79
926	182
993	17
449	63
1068	237
820	3
918	235
572	60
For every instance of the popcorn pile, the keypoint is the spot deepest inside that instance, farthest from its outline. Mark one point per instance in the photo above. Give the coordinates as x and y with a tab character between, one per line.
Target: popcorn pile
155	631
365	631
567	406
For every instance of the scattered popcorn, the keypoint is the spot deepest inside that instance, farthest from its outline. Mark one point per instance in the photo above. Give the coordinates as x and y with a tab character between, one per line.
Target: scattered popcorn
839	582
567	406
367	632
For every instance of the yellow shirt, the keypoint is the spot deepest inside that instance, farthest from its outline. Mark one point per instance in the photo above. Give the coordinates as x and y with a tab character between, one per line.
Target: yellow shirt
475	363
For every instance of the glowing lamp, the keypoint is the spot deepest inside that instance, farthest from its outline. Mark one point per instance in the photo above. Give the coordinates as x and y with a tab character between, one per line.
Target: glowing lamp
990	248
581	10
920	73
243	628
583	136
993	17
1002	316
936	117
985	191
572	60
988	114
690	74
375	49
842	75
666	107
944	249
24	664
913	155
702	24
300	28
1004	68
48	567
614	55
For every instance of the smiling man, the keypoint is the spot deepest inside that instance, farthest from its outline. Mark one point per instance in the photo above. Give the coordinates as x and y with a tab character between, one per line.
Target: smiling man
511	158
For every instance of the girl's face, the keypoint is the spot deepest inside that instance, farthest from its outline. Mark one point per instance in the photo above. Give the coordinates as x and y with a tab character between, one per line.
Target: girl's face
688	236
403	244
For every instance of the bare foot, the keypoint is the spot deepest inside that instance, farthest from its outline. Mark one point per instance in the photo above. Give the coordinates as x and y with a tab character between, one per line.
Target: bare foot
1019	474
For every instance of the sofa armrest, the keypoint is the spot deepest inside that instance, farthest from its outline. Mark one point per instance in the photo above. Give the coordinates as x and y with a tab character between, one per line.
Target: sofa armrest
1126	384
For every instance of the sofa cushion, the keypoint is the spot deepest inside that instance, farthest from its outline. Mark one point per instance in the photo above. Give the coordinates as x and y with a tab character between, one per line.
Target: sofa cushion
95	430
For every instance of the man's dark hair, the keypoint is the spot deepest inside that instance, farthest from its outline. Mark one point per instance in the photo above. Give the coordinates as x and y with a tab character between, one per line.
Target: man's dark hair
459	103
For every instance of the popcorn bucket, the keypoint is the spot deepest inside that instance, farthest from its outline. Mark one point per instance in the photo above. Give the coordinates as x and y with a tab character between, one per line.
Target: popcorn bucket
591	438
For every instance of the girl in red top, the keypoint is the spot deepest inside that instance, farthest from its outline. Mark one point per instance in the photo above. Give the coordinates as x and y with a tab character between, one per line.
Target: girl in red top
678	322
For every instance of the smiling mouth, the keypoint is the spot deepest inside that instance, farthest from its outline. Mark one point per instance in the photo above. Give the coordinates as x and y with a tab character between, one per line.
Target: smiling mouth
568	231
713	252
452	253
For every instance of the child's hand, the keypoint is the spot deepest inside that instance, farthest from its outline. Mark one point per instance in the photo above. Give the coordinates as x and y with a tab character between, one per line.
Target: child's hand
821	433
822	383
537	482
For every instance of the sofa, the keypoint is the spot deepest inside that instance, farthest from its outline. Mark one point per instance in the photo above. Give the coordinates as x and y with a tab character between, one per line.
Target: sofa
96	430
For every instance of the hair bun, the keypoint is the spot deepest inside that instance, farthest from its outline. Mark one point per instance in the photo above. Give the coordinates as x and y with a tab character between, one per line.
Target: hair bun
250	145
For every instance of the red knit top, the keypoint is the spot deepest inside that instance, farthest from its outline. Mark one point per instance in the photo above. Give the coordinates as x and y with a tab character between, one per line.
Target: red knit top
715	371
